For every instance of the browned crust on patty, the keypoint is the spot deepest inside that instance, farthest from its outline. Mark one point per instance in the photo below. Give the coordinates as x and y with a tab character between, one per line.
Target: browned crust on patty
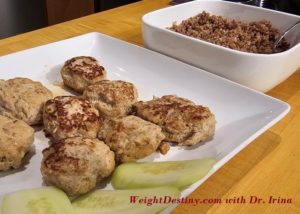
77	164
75	120
131	138
58	159
181	120
68	116
90	64
82	71
112	98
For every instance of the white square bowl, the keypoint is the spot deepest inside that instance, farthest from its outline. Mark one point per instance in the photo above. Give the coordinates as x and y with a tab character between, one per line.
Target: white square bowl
258	71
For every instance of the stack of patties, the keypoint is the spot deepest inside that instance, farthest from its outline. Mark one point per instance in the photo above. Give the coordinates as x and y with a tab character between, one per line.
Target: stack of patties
127	130
76	160
130	137
21	104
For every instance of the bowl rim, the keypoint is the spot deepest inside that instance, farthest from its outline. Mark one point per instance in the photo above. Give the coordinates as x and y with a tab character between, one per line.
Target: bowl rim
221	48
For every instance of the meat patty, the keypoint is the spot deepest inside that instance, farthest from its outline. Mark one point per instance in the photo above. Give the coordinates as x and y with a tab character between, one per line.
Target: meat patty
16	138
112	98
23	99
131	138
69	116
181	120
79	72
77	164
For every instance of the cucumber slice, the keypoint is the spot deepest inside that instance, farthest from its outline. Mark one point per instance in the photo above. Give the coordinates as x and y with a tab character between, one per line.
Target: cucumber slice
47	200
179	174
147	201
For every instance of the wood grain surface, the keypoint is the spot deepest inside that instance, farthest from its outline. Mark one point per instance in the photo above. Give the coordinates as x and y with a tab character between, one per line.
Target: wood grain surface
64	10
269	166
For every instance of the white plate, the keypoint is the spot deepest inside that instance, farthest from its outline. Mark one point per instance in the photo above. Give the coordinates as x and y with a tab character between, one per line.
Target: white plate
242	114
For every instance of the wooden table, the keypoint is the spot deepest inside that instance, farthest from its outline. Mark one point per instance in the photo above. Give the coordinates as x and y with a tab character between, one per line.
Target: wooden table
269	166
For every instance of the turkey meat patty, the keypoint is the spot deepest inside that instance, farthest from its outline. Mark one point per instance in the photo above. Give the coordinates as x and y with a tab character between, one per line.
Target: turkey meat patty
181	120
112	98
77	164
16	139
131	138
23	99
82	71
70	116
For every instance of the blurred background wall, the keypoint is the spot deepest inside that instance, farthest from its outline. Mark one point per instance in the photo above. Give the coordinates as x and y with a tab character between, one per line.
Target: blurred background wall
19	16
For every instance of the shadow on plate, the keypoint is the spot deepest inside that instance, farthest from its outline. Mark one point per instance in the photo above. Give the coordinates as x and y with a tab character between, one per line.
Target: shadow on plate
38	128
